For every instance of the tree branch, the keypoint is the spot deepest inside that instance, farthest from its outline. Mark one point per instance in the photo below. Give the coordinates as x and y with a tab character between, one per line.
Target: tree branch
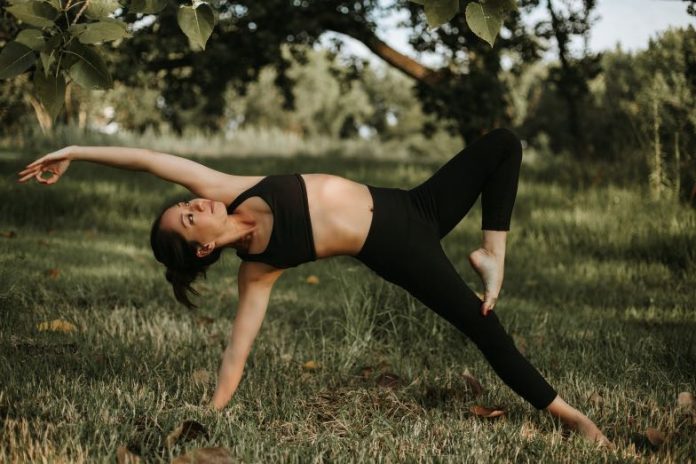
405	64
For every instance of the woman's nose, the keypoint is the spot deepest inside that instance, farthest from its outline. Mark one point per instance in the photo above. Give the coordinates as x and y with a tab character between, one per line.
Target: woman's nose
199	206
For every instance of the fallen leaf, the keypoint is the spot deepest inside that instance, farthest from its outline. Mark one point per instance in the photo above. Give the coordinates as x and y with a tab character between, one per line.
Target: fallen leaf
204	320
312	280
311	365
124	456
187	430
596	399
388	380
53	273
685	400
473	383
205	456
8	234
483	411
366	372
655	437
56	325
201	376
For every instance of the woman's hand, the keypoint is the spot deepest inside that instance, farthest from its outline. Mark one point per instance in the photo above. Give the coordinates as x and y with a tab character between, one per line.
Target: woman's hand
55	163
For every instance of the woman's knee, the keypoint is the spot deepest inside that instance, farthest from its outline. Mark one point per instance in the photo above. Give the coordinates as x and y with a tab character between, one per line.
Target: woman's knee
508	141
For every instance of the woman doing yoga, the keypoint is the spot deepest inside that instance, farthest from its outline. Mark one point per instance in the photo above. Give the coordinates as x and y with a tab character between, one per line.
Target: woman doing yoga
280	221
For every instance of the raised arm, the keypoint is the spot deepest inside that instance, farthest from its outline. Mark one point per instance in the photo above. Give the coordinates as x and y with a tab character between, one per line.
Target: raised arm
199	179
255	281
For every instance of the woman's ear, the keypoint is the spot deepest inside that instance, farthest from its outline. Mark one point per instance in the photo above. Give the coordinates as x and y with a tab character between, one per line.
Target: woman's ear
204	250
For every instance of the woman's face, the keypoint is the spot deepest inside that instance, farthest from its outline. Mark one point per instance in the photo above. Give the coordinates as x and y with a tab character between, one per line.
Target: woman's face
199	220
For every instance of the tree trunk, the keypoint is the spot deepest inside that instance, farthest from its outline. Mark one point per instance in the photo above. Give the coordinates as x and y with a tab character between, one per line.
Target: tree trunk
565	82
656	174
677	170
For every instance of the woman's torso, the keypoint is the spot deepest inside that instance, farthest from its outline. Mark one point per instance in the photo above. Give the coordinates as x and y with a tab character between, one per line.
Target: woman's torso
340	213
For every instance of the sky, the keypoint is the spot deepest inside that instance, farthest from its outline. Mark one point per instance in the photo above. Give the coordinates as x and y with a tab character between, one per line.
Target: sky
628	22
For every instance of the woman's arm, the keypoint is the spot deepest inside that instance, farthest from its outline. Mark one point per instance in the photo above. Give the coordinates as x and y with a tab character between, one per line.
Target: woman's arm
199	179
255	282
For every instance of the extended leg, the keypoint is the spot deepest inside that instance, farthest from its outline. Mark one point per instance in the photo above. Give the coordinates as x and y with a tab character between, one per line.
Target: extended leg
430	276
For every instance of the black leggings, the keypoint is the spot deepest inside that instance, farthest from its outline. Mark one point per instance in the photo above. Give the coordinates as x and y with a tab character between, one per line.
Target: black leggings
403	247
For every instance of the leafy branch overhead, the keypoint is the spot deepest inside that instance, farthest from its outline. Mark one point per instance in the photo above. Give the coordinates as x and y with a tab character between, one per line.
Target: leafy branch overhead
61	42
485	17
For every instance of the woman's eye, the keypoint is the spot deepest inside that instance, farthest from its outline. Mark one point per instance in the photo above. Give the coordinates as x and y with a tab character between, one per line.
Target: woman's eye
190	218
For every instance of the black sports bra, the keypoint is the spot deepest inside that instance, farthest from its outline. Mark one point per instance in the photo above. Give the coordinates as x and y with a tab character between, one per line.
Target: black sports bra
291	241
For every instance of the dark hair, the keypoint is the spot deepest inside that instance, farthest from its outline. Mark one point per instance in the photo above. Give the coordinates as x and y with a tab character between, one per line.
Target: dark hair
179	256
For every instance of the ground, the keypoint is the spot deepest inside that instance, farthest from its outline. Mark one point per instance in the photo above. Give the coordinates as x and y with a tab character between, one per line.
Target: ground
598	293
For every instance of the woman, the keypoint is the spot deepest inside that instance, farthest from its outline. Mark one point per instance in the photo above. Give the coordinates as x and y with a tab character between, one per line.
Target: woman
280	221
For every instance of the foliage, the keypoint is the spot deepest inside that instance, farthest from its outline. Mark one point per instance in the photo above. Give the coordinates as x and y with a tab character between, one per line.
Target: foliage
65	37
619	113
484	18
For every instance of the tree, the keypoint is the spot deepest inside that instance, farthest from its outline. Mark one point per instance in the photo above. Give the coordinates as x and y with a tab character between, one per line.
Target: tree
572	75
67	40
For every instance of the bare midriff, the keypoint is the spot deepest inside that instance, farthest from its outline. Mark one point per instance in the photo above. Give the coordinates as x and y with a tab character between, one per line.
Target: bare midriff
340	211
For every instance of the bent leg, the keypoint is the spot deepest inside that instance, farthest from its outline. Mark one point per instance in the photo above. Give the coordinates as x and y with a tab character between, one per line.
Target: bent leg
488	167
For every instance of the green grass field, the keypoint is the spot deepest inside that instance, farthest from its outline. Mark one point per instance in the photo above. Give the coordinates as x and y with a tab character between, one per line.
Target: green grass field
599	293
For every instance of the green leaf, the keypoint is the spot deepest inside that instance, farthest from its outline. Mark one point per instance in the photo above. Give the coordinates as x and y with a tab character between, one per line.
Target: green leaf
50	90
56	4
98	9
503	7
89	70
438	12
34	13
47	60
197	23
484	21
15	58
53	42
32	38
147	6
105	30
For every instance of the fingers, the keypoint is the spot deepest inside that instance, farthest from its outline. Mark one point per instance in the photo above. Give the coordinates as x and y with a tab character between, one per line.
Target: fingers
37	173
26	170
37	162
26	175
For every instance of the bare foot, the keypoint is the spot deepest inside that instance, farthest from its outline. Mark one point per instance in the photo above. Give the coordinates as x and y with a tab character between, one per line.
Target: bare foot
577	421
490	268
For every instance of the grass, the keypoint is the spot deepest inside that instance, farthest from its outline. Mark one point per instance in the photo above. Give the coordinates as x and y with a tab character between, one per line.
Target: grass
598	294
